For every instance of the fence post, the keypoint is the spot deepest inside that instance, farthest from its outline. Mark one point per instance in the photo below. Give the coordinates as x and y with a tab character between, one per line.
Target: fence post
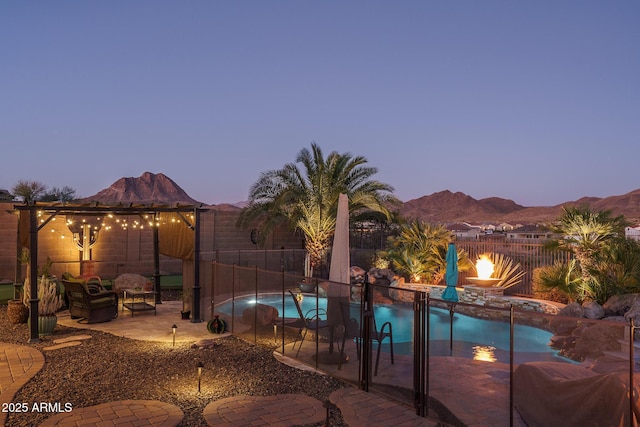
511	355
419	370
366	335
632	333
255	310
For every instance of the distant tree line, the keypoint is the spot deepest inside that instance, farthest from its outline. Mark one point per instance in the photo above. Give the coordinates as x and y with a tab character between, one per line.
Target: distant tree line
35	191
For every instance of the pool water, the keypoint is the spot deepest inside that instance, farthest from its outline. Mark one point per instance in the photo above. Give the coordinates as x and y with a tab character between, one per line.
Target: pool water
473	338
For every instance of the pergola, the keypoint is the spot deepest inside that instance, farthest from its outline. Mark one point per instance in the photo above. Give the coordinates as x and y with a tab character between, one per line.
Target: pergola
180	242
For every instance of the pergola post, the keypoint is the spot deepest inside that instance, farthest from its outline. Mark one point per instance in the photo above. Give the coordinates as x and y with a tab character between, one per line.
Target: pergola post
196	269
34	337
156	259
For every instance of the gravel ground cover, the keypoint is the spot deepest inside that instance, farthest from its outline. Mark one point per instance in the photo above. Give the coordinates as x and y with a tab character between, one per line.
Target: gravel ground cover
108	368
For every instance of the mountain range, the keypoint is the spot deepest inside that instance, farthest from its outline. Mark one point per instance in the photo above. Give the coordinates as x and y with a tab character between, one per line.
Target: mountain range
443	206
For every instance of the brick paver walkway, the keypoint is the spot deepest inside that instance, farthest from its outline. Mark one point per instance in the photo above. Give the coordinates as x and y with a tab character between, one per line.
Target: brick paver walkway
123	413
364	409
18	364
280	410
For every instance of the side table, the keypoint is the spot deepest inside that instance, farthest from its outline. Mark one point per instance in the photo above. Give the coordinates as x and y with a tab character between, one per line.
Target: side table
139	300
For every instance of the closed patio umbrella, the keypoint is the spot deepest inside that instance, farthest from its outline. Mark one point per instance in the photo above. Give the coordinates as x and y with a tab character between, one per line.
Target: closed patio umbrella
339	276
451	274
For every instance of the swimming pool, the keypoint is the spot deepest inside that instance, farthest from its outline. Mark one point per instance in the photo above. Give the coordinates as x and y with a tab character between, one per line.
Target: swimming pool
473	338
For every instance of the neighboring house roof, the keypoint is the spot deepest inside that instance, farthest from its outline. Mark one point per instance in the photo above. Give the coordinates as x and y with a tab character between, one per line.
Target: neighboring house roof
530	232
531	228
459	226
5	195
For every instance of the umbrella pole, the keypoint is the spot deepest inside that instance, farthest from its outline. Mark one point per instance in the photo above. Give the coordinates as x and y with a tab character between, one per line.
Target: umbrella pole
451	312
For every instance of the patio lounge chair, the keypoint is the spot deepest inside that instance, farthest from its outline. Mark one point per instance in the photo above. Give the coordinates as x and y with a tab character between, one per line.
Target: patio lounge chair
90	301
351	319
307	321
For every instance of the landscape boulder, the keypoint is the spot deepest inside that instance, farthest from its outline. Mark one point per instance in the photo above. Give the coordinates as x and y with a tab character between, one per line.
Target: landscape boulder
593	310
357	274
262	314
131	281
595	340
560	325
618	305
633	314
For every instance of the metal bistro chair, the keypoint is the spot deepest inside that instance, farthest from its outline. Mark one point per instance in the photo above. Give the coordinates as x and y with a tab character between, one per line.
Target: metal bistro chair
353	330
307	321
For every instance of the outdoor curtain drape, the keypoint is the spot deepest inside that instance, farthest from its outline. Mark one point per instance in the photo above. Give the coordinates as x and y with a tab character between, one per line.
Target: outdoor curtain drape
175	238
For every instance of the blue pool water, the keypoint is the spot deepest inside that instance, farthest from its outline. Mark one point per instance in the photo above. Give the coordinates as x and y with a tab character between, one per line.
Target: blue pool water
472	337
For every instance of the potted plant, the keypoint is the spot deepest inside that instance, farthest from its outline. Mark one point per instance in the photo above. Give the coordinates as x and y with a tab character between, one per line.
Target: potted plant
186	303
307	284
50	301
17	310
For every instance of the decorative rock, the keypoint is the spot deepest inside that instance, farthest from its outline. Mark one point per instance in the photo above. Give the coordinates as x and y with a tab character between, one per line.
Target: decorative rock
633	314
381	273
618	305
131	281
263	314
597	339
206	344
563	342
357	274
592	310
563	326
378	298
572	310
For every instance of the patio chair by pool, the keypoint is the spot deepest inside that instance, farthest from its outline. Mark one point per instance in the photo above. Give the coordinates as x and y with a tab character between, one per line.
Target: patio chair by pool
353	330
307	321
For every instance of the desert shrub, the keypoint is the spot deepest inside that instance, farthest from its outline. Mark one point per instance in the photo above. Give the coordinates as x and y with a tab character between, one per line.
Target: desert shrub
557	282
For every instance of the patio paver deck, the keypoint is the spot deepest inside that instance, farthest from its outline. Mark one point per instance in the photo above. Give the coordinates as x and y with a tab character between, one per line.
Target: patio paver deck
19	363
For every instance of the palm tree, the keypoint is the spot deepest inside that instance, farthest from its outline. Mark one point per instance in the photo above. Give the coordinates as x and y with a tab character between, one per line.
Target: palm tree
305	194
586	234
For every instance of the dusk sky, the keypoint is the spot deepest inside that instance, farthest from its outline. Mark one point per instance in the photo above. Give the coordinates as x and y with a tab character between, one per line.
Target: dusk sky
538	101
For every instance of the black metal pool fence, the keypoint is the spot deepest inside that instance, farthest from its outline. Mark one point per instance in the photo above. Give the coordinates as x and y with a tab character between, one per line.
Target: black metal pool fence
529	253
413	374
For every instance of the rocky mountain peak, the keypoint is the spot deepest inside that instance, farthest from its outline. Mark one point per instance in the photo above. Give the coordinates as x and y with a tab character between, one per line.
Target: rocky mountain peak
148	188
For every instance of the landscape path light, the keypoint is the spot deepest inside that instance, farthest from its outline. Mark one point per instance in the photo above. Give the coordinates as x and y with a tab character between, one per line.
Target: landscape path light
200	365
173	329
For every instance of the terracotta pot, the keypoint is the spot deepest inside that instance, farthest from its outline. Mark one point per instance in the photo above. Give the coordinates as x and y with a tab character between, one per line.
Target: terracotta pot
17	312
